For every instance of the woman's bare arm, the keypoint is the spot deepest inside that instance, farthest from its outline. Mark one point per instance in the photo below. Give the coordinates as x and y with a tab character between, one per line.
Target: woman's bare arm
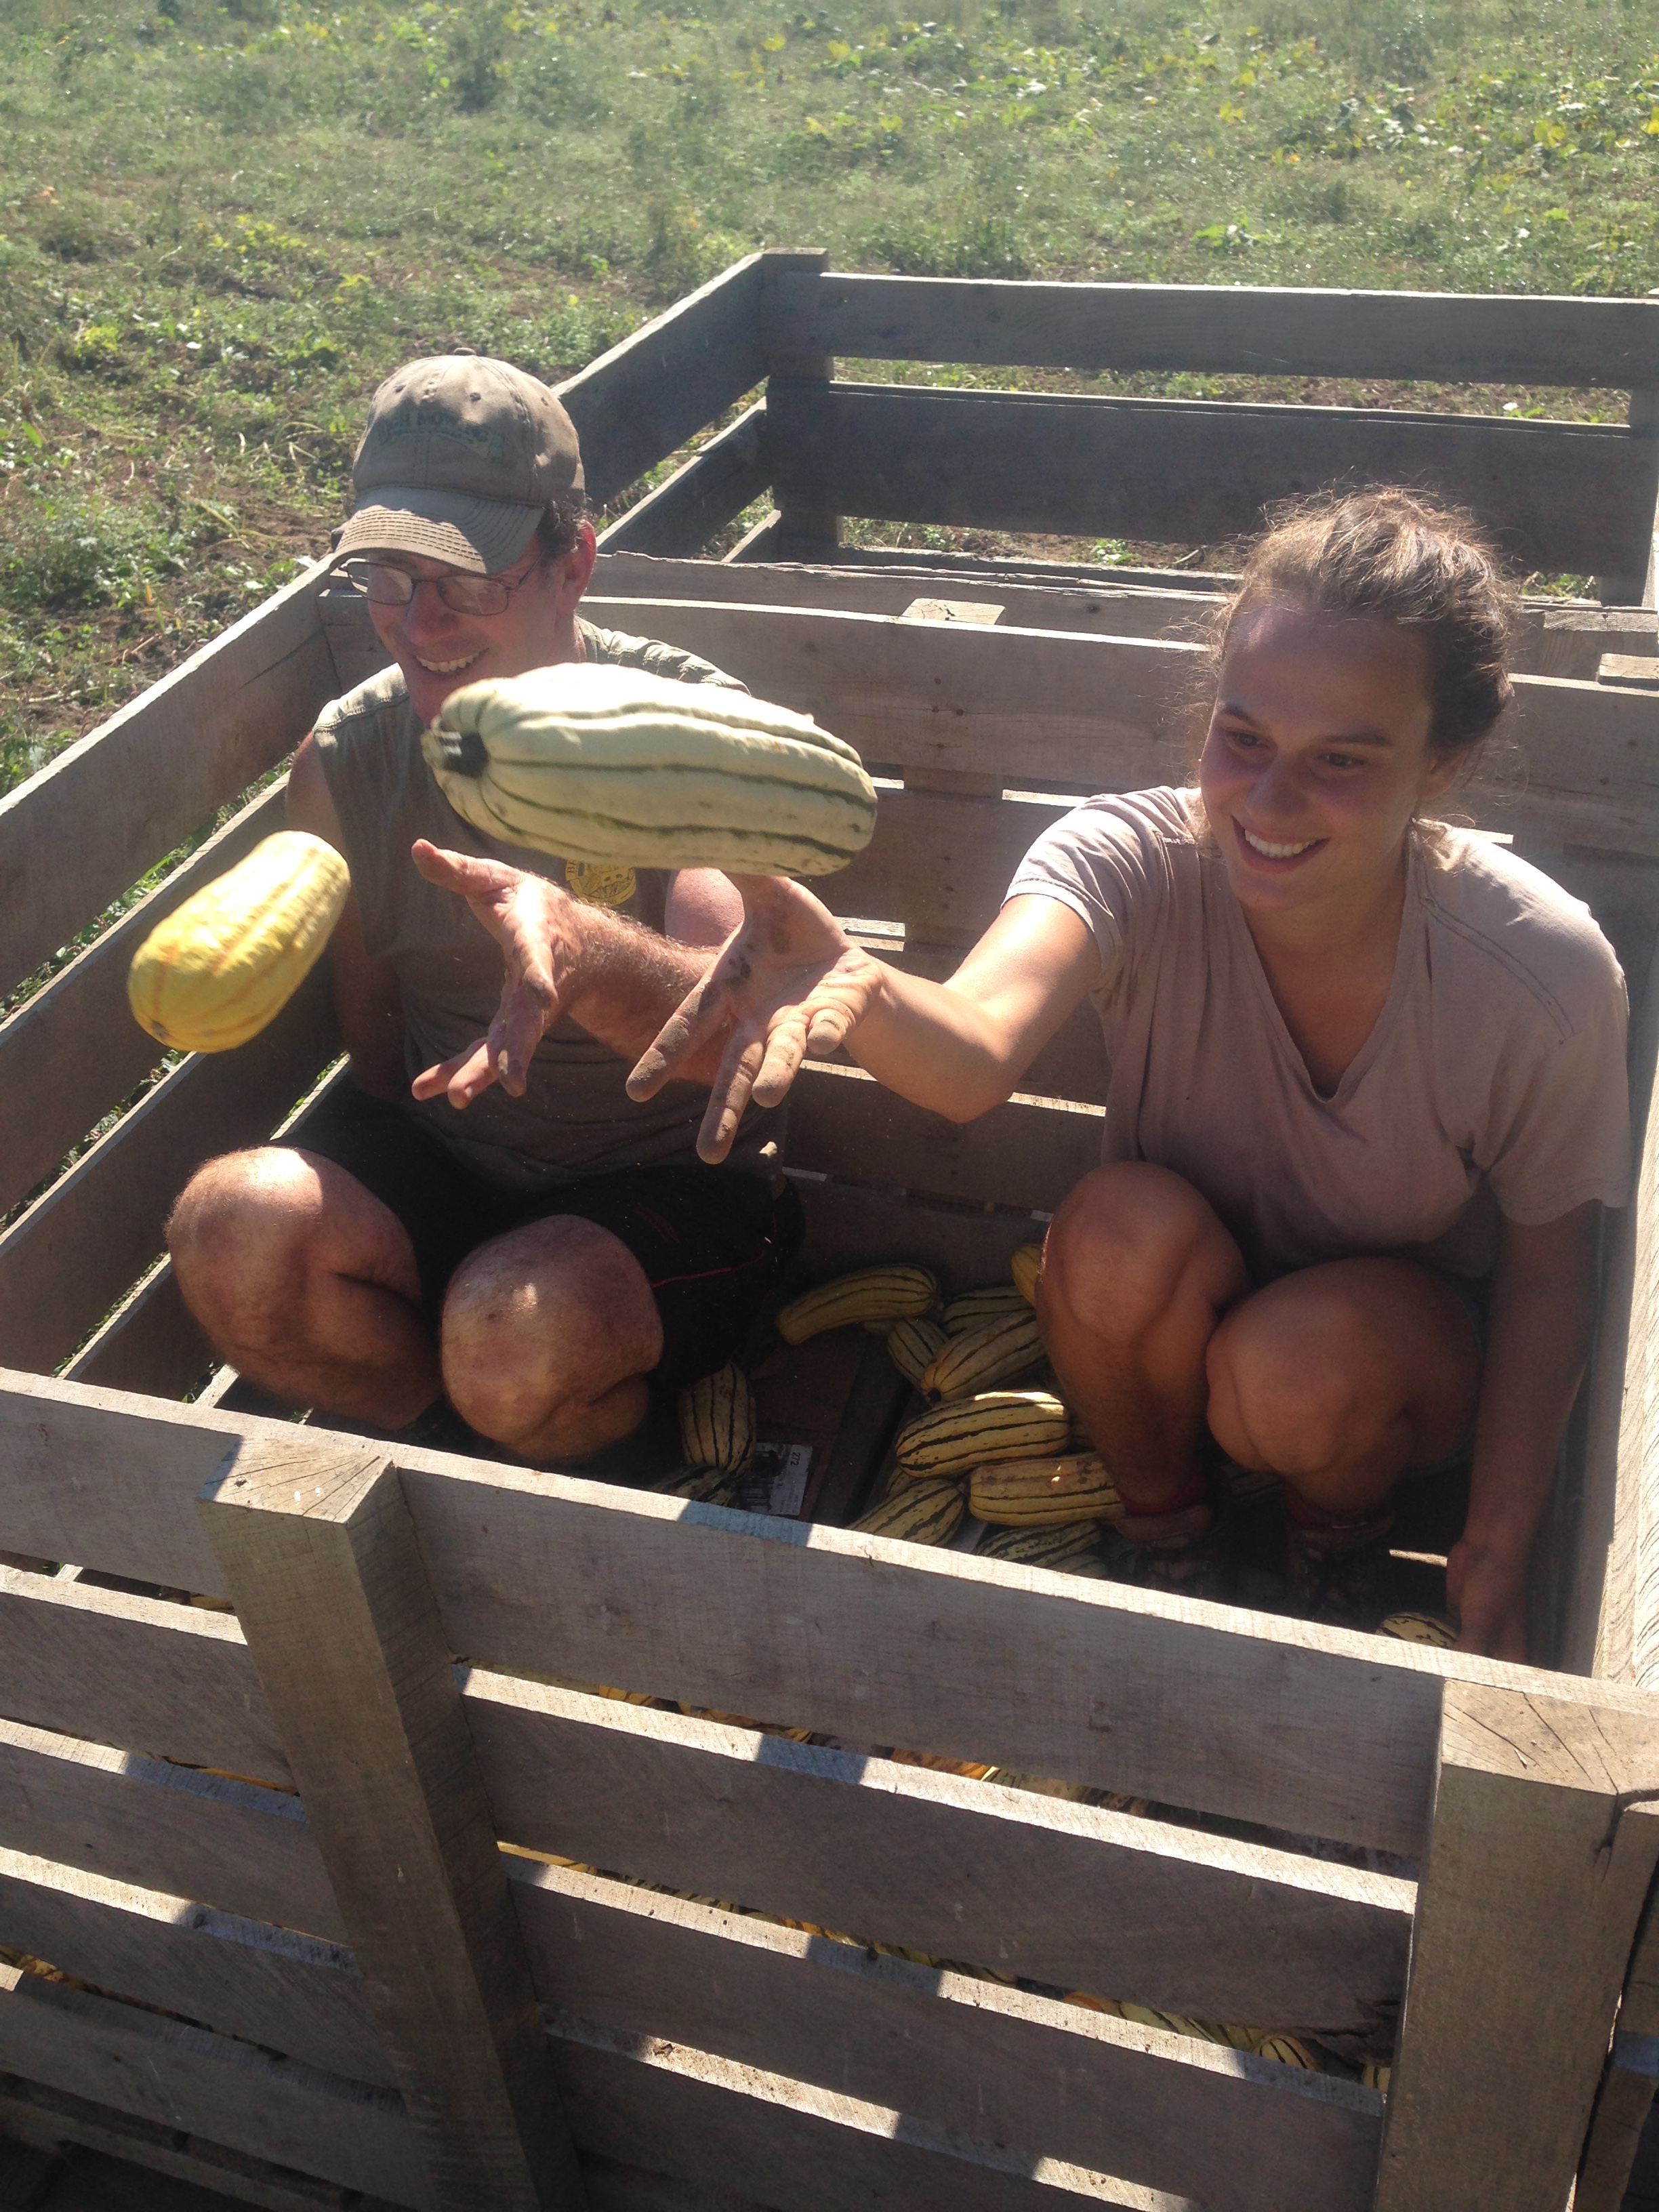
1539	1324
791	984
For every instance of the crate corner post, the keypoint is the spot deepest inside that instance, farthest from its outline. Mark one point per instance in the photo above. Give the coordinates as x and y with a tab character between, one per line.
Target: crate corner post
1537	1873
323	1564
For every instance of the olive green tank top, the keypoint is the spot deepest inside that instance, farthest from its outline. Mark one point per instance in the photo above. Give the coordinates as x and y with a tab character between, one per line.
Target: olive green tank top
575	1118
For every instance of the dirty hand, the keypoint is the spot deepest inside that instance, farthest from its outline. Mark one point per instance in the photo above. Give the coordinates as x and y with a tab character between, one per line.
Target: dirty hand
785	984
538	927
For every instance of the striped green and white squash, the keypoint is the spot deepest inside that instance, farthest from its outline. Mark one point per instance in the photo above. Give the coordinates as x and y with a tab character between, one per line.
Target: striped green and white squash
597	762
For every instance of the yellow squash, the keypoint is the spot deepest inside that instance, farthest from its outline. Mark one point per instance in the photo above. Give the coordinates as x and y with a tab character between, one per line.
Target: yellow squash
227	962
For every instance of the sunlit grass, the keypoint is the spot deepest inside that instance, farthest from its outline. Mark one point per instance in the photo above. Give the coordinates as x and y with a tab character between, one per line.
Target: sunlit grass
220	225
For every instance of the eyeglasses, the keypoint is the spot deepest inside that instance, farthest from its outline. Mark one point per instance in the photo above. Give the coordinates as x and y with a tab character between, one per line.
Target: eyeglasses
385	586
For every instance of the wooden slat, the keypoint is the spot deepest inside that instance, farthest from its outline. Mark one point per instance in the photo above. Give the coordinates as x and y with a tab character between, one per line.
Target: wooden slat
292	1994
175	1680
1002	1878
641	402
73	1051
229	1844
106	2145
87	826
1054	2080
325	1571
1556	495
186	2078
681	516
151	1342
939	863
802	2149
1028	1153
1316	1729
1113	611
67	1261
1255	330
1536	1877
847	1227
1115	715
1625	2095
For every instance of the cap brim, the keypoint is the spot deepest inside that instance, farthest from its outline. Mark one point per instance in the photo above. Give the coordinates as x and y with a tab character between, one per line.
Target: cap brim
481	536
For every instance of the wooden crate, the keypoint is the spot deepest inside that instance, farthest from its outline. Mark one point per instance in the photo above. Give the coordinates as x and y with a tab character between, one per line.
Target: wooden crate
277	1828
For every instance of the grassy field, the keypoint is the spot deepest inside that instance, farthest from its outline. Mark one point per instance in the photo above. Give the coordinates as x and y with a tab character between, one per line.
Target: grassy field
220	225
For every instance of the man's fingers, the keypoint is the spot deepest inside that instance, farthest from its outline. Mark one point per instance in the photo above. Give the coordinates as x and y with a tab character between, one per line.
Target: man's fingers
729	1097
462	1078
786	1048
468	878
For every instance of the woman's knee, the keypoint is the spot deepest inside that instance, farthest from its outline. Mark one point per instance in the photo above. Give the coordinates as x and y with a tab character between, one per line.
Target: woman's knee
1297	1379
1131	1238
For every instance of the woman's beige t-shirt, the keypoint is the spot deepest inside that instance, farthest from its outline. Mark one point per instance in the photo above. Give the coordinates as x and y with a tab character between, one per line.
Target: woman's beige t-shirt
1493	1083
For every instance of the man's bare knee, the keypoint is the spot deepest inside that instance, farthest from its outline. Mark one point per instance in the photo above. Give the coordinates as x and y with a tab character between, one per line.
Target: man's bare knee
1129	1239
540	1324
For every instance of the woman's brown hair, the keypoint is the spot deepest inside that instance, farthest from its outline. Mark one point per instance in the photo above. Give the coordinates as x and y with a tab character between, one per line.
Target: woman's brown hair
1394	557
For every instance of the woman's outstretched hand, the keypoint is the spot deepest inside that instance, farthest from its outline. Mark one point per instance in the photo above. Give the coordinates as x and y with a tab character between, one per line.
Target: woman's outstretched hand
788	982
537	925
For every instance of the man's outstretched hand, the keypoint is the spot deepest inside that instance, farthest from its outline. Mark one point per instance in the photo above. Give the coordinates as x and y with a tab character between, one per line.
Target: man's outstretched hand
787	982
538	925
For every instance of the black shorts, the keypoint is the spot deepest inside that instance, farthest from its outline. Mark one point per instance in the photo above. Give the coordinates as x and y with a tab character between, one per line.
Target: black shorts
712	1241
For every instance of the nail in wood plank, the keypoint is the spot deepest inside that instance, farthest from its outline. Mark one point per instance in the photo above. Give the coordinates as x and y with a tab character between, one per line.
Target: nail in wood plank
332	1594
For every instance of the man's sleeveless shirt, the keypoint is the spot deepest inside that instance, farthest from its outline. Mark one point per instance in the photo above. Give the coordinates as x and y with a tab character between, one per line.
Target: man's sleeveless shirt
575	1118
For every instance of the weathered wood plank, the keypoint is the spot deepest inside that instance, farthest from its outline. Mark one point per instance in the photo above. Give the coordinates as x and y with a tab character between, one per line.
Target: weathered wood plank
1255	330
1316	1729
1118	714
680	517
1535	1881
151	1342
184	2078
86	828
1626	2096
941	862
148	1674
847	1227
1028	1153
326	1571
66	1261
1112	610
893	1853
73	1052
233	1845
641	402
1054	2080
288	1993
1556	495
806	2150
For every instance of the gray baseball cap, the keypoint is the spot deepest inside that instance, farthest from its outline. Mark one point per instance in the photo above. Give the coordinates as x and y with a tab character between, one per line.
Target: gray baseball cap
460	461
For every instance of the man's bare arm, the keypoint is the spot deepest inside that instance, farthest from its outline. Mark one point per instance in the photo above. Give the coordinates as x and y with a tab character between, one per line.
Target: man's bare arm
565	959
367	998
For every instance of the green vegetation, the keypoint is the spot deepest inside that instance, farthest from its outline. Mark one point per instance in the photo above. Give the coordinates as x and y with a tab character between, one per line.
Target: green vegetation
220	225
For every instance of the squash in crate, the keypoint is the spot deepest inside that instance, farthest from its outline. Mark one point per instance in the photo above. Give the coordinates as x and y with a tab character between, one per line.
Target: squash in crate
896	1292
974	1310
224	965
920	1513
1033	1494
913	1345
717	1421
998	1425
599	763
1005	1350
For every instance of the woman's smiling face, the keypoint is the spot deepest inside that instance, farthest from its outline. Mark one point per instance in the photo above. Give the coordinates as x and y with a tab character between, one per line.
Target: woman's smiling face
1317	754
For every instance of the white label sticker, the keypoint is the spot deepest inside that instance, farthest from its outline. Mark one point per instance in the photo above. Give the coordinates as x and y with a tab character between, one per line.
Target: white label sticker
776	1482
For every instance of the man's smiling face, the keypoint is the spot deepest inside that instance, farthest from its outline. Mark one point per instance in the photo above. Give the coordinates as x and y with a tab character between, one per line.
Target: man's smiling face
439	649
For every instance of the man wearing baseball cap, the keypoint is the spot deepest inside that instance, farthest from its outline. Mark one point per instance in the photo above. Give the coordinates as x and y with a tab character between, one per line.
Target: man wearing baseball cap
448	1255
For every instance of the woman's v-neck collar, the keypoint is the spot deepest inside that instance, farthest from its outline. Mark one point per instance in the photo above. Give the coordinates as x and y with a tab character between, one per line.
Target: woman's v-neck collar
1411	931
